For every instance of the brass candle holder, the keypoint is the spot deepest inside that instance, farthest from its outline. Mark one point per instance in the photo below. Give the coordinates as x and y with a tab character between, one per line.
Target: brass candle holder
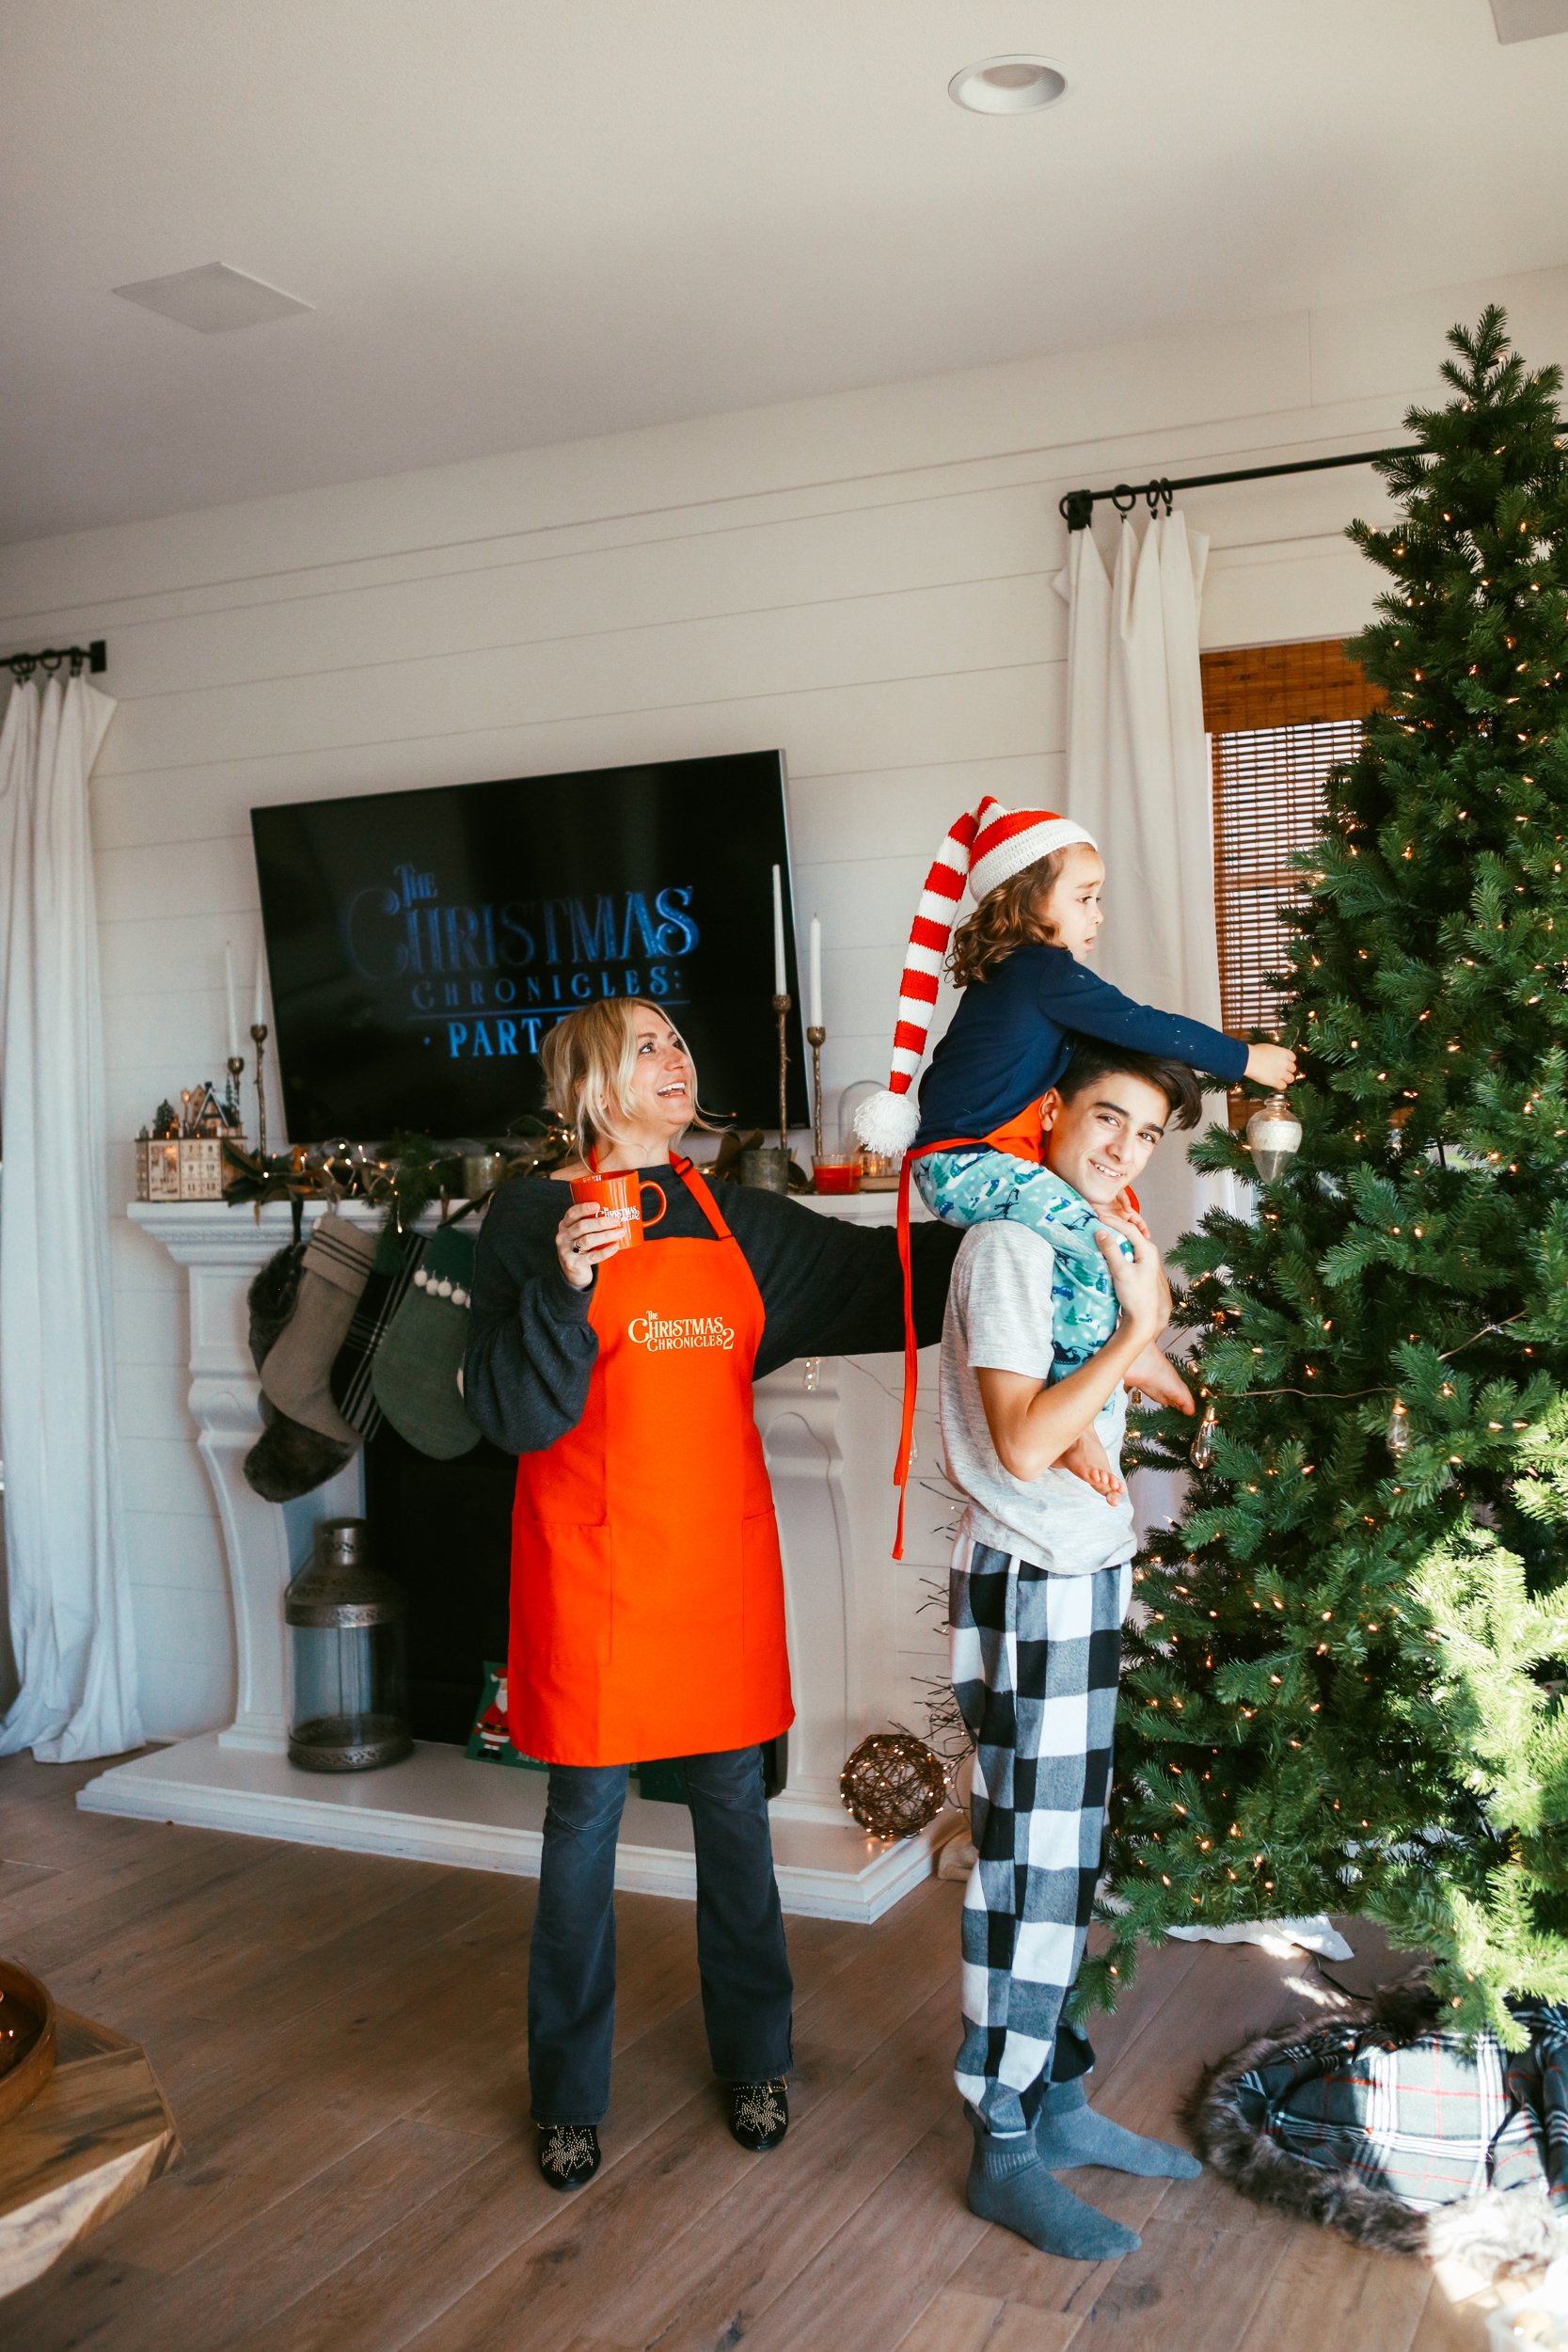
817	1038
259	1039
767	1164
235	1066
780	1014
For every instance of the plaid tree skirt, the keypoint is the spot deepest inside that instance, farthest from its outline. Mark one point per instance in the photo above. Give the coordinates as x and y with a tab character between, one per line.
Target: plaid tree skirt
1387	2127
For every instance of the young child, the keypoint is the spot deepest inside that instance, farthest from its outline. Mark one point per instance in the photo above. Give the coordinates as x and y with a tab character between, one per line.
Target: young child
973	1145
1041	1583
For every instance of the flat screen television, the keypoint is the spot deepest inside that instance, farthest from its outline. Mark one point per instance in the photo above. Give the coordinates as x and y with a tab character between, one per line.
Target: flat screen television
421	944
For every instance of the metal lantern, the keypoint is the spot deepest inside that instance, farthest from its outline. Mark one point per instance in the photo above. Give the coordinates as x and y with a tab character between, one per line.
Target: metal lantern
1273	1137
346	1621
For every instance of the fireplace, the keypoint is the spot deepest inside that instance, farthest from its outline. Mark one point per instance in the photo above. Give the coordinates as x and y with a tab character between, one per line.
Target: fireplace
829	1431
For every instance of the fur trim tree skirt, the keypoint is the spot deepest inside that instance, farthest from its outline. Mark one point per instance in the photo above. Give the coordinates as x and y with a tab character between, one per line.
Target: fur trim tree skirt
1383	2126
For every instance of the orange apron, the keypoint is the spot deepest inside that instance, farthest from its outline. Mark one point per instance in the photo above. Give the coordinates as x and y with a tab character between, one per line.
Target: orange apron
647	1593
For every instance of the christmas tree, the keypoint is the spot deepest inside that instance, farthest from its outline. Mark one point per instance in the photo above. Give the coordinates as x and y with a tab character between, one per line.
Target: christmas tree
1347	1694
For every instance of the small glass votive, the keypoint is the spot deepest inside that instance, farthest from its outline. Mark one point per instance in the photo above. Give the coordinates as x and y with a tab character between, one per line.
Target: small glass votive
879	1171
837	1171
482	1172
766	1167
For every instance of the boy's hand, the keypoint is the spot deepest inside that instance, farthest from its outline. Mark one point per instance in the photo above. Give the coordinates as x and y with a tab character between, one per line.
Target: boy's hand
1123	1206
1139	1280
1271	1066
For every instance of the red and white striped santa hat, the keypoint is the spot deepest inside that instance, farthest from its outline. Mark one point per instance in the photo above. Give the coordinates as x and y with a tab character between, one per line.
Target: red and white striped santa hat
984	849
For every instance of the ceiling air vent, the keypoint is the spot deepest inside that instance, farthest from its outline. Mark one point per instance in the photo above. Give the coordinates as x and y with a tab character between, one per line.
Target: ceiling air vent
215	299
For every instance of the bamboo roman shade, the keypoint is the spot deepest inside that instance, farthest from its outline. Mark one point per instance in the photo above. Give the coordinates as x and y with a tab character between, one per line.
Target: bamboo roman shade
1279	717
1284	686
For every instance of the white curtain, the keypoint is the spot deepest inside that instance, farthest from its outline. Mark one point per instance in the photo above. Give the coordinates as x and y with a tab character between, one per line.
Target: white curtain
1138	776
65	1528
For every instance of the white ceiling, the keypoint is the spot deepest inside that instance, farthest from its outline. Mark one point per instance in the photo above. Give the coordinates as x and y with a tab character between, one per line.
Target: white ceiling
520	221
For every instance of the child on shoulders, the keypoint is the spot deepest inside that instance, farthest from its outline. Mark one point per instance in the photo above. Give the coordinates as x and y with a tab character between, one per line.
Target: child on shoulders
973	1147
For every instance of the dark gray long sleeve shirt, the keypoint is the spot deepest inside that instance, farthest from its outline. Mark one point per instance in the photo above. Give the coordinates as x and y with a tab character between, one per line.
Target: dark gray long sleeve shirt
828	1289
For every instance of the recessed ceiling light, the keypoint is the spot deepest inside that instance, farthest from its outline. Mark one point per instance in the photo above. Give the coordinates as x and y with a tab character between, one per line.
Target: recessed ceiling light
215	299
1008	86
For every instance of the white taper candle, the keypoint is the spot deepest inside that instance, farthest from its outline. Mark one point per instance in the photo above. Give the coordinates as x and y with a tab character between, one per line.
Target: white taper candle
778	934
816	972
259	1016
233	1008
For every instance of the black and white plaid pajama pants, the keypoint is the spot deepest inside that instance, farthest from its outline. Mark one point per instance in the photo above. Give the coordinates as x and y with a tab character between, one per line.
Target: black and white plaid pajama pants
1035	1662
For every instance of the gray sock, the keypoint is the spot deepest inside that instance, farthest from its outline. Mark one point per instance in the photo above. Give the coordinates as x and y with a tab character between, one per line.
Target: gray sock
1068	2133
1008	2184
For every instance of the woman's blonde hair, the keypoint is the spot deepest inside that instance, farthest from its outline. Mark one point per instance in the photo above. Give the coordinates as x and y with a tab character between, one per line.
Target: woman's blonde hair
1009	916
589	1060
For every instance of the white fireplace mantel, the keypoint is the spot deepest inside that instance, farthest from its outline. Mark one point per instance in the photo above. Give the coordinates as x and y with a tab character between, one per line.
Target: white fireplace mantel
436	1804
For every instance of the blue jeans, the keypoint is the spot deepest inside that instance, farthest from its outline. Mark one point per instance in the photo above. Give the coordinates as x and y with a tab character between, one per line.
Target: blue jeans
747	1991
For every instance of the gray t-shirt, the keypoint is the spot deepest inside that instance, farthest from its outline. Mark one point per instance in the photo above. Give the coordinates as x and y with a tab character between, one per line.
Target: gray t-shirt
999	1319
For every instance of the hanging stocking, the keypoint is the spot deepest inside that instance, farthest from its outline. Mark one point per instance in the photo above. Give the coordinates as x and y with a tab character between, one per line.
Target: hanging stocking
353	1383
297	1367
417	1363
289	1459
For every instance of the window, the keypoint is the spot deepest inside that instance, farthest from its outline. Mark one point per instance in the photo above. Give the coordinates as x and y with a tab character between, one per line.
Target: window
1279	717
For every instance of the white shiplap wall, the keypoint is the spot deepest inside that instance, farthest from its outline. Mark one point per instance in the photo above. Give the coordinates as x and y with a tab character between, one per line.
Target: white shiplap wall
865	579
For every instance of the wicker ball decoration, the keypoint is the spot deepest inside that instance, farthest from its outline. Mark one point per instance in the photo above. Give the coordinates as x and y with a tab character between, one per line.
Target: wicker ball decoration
893	1784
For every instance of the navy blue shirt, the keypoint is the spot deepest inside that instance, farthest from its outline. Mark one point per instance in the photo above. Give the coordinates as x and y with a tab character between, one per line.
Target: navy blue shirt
1013	1033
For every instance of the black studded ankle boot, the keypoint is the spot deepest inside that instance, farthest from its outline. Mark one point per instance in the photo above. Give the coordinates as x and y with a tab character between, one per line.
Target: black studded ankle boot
759	2113
568	2154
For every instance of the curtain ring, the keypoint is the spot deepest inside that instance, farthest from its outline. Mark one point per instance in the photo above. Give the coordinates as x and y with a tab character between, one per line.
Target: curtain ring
1124	497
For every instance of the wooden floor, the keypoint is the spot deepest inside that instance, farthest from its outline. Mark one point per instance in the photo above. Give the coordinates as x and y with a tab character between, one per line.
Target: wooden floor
340	2038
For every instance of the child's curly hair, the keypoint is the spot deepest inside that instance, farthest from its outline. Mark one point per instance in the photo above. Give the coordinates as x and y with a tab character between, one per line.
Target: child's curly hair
1007	918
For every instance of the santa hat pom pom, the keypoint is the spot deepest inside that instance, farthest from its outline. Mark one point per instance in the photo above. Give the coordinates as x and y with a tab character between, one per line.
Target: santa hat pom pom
886	1122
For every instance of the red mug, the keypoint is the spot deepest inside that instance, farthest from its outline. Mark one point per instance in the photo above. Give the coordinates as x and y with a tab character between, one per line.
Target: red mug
620	1199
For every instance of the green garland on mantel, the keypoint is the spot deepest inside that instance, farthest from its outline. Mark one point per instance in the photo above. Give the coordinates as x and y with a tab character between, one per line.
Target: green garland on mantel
409	1171
403	1176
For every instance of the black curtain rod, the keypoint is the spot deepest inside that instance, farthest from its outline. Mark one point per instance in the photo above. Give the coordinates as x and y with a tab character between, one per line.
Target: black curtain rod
1076	507
94	658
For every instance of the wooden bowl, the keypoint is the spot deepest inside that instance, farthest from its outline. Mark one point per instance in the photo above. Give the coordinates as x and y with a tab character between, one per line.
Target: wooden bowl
28	2038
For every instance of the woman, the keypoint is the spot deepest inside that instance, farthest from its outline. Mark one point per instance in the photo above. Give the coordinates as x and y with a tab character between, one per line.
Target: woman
647	1597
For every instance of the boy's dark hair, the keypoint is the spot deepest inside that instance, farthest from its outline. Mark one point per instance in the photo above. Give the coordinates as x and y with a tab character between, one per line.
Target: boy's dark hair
1092	1060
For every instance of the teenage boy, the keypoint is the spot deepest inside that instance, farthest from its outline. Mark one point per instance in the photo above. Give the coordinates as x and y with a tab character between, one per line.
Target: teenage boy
1041	1580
